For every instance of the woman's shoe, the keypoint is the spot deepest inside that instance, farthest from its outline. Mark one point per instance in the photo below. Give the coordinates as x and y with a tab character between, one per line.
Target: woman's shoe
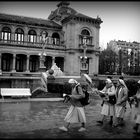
63	128
82	129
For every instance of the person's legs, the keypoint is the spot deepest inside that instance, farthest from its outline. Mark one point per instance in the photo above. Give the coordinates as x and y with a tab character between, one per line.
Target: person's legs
102	120
136	127
111	120
82	127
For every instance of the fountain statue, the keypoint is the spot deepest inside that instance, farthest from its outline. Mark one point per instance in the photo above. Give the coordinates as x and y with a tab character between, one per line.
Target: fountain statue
49	74
57	71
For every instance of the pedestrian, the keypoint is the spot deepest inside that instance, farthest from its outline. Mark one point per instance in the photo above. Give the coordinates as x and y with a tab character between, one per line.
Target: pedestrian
136	101
120	106
76	113
108	109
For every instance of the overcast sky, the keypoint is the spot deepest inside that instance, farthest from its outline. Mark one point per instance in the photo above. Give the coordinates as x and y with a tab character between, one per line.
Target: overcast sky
121	20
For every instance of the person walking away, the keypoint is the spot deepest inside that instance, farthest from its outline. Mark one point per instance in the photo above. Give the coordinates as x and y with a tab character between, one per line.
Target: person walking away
136	101
76	113
120	107
108	109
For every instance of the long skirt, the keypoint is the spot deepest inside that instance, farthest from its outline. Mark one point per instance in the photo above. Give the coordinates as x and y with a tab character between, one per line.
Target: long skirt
120	111
136	114
108	109
75	115
138	119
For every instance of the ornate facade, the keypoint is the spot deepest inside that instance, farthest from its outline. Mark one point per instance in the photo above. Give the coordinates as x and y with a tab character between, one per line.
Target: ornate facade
66	31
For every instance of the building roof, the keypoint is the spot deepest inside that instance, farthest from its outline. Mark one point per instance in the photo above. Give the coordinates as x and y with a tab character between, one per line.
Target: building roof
79	15
64	13
28	20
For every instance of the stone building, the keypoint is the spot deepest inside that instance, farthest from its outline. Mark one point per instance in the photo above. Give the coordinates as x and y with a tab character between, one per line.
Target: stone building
128	56
70	37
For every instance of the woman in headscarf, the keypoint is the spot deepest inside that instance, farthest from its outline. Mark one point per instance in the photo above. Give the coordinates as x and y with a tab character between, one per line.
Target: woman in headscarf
108	109
121	96
76	113
136	101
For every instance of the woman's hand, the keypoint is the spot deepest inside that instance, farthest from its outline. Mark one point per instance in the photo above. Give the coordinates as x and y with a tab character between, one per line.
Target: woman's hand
119	103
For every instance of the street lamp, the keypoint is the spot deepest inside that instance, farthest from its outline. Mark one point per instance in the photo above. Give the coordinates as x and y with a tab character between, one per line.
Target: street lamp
42	54
120	60
84	57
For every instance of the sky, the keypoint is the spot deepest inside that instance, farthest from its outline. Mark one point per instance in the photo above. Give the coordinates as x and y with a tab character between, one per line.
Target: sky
121	19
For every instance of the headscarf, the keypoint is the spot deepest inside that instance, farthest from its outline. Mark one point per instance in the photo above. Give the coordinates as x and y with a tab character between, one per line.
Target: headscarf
139	82
138	85
123	83
108	81
72	81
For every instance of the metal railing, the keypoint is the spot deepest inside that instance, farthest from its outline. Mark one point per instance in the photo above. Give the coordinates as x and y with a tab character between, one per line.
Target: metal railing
30	44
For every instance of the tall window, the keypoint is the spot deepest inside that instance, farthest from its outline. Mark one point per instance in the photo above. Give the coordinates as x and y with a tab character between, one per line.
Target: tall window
32	36
6	62
34	63
55	39
20	62
19	35
6	34
85	37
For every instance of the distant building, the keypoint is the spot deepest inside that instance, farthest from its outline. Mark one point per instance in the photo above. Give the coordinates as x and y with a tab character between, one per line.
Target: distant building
128	55
66	33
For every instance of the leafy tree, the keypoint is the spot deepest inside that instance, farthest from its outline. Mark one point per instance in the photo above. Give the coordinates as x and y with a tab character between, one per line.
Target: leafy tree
107	61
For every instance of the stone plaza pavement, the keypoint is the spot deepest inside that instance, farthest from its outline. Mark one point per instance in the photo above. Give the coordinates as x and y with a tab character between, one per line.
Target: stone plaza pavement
41	118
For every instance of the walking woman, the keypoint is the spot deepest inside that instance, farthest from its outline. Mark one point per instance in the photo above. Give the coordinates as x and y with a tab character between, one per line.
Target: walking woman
136	101
76	113
108	109
121	96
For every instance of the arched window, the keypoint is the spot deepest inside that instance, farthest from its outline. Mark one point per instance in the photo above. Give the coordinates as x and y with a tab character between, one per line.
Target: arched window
85	32
6	34
19	35
32	36
85	37
55	39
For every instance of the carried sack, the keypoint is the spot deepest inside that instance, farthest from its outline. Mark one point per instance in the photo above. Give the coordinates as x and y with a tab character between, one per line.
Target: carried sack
84	101
112	99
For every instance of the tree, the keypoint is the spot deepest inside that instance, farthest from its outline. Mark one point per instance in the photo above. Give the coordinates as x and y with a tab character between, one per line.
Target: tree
107	61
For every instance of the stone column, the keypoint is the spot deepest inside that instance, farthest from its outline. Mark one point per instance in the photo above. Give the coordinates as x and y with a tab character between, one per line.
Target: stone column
14	63
53	60
1	32
27	63
38	36
13	34
25	35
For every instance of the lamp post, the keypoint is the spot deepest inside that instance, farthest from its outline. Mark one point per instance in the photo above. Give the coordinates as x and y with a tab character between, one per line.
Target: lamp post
42	54
84	57
120	60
